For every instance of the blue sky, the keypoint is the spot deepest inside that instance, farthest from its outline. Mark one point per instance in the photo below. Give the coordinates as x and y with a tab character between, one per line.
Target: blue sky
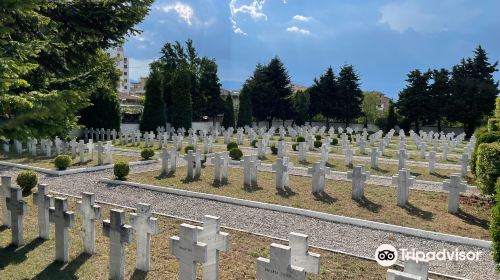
384	40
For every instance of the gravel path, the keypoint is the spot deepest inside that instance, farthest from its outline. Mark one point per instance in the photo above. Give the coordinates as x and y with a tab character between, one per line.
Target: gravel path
352	239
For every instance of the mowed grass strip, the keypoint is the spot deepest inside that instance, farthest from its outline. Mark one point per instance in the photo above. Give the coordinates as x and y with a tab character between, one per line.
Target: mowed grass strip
425	210
48	163
35	259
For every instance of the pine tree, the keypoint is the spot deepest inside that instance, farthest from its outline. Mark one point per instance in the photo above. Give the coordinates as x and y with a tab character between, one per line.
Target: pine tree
473	90
153	115
280	91
259	90
210	88
439	95
245	108
350	94
301	104
324	96
228	120
181	110
392	119
414	99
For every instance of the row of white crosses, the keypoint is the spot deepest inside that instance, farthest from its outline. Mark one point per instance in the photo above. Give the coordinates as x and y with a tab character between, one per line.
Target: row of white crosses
99	134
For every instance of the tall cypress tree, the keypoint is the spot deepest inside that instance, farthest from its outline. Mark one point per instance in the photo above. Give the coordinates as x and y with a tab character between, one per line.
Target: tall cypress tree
245	108
210	88
392	119
325	96
279	91
153	115
413	99
228	120
182	107
350	94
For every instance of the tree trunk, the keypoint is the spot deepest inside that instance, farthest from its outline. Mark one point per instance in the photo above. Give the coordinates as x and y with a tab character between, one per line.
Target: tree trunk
327	123
439	125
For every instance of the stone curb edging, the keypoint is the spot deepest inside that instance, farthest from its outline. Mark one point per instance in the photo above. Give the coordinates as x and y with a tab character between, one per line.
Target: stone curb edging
314	214
252	233
71	171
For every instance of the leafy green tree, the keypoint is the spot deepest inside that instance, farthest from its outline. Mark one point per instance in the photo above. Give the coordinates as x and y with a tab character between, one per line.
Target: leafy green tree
371	102
49	51
414	99
182	107
228	120
245	108
259	88
104	108
153	115
325	96
350	94
301	103
439	95
473	90
210	88
392	119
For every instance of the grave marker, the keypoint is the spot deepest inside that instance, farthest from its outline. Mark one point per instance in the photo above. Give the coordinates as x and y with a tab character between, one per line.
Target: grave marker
90	212
63	219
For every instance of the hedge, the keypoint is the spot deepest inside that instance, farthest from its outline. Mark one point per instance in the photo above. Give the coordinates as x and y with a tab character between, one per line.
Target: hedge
485	137
495	227
488	167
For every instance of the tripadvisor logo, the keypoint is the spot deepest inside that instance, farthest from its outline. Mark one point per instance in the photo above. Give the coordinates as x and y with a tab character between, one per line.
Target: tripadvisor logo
387	255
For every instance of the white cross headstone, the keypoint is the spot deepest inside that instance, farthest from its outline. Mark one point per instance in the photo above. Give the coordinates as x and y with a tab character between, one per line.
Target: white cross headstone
216	241
302	151
432	161
300	256
358	177
281	167
279	265
403	182
190	162
413	270
63	219
348	153
43	200
17	208
464	163
454	186
374	158
90	212
144	226
100	150
402	156
4	194
188	250
220	162
119	234
318	172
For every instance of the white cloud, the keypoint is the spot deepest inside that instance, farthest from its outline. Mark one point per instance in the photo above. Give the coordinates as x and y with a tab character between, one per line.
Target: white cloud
183	10
426	16
301	18
295	29
254	10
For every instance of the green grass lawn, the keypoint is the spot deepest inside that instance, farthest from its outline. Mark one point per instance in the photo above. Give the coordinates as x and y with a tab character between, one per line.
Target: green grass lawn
48	163
35	259
425	210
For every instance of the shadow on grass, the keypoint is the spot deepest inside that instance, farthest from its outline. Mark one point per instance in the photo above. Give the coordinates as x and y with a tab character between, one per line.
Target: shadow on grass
190	180
330	165
417	212
13	254
219	184
139	275
59	270
378	169
415	174
471	220
324	197
3	228
165	175
438	175
251	189
286	192
368	204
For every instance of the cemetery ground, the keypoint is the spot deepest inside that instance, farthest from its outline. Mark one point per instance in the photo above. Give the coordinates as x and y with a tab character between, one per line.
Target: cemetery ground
425	210
34	260
48	162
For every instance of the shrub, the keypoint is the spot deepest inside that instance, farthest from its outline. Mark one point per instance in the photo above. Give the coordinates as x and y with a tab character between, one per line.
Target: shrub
254	143
301	139
231	145
493	124
482	137
274	150
188	148
147	153
335	141
495	225
27	180
235	154
317	136
317	144
295	146
62	162
488	167
121	170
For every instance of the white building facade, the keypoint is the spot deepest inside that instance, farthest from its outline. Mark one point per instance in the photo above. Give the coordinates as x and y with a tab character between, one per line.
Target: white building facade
122	64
